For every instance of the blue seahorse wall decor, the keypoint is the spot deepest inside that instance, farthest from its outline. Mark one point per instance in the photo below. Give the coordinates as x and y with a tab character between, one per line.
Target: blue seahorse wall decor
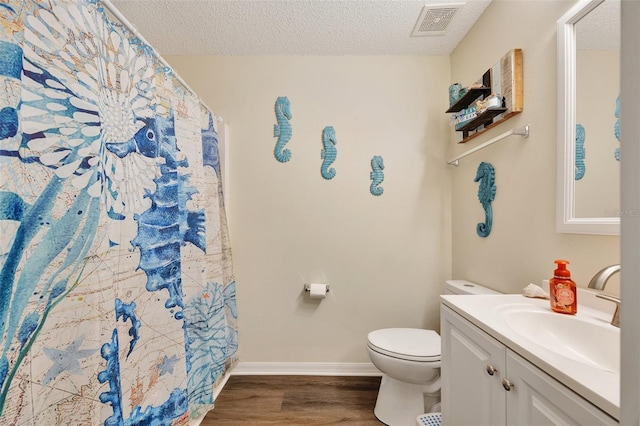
486	194
377	175
167	224
283	130
616	128
581	153
329	152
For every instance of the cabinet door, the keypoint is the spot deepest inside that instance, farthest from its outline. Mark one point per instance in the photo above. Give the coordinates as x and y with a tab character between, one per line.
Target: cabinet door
471	395
537	399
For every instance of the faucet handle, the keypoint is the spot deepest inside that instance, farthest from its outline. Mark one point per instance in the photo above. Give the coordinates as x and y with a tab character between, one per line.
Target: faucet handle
615	321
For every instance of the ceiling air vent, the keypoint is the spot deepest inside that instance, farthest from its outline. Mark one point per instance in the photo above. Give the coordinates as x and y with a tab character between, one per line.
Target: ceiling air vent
435	18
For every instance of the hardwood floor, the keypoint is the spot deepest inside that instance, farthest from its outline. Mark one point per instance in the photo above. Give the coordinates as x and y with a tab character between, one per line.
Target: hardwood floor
295	400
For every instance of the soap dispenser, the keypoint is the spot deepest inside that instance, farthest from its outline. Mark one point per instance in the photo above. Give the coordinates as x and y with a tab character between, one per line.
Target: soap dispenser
562	290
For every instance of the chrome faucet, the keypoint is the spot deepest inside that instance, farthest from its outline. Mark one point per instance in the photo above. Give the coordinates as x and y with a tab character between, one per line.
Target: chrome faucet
599	281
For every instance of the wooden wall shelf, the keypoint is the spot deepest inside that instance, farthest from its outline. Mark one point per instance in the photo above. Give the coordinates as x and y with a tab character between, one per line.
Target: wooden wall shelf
503	79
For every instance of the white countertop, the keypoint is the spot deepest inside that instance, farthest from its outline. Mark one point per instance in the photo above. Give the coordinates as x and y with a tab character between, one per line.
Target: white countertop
596	385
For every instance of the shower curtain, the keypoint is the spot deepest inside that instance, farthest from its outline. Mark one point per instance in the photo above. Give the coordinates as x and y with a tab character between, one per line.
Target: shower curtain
117	296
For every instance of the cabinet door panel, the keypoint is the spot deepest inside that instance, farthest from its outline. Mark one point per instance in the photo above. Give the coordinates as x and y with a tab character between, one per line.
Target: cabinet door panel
537	399
470	395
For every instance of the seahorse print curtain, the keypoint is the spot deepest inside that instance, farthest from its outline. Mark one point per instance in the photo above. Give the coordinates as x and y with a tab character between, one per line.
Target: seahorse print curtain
117	296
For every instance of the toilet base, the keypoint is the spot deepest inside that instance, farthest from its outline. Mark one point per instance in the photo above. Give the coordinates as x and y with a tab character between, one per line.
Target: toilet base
399	403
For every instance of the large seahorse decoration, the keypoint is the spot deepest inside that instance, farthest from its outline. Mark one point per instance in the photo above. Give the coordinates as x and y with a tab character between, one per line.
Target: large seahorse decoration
377	175
616	128
581	153
486	194
283	130
329	152
167	224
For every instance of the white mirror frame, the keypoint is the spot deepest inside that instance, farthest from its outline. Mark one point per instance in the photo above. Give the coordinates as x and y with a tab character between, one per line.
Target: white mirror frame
566	221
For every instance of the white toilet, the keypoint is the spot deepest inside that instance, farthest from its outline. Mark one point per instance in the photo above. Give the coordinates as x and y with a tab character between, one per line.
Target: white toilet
409	359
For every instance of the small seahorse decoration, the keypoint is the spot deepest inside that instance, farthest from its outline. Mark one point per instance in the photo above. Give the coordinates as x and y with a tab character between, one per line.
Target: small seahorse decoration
616	128
329	152
377	175
486	194
282	130
581	153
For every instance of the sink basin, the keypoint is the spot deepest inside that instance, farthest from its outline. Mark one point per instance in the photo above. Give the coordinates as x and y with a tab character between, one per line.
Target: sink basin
588	340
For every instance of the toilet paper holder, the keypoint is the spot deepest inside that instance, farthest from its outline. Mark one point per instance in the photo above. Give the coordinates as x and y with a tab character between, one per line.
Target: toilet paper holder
307	287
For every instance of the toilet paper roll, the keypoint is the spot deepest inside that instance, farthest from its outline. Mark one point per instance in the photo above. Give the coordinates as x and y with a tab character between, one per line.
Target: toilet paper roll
317	291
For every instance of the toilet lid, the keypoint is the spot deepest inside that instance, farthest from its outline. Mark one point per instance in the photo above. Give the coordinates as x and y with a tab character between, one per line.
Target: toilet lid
406	343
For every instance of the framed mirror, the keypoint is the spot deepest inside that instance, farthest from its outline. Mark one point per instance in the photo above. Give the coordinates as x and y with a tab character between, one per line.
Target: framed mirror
588	175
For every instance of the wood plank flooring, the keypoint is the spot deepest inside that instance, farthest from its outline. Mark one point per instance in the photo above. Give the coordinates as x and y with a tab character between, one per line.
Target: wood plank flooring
296	400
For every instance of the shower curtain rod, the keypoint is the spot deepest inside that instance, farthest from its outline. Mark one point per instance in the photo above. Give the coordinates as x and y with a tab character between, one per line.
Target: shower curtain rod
124	21
522	131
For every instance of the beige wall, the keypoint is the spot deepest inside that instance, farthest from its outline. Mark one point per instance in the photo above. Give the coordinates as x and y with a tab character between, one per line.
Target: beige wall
386	258
523	244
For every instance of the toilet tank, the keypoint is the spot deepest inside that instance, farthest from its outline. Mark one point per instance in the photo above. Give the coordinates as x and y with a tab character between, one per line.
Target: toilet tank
466	287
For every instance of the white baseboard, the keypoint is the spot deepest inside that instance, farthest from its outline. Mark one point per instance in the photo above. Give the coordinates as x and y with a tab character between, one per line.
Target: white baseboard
306	369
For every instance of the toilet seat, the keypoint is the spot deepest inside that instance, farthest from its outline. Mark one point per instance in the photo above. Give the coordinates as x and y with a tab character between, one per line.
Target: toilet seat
410	344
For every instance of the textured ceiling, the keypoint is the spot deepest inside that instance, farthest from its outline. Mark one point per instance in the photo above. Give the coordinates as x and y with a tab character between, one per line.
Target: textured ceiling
600	29
294	27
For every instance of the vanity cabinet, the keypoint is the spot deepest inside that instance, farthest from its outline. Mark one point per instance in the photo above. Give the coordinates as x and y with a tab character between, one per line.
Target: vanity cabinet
486	383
